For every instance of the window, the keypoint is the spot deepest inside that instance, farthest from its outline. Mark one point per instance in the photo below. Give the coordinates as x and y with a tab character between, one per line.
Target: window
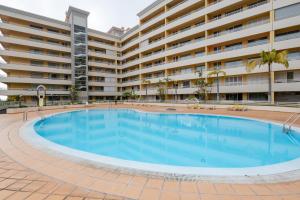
258	97
290	76
217	49
36	75
199	53
187	71
217	65
234	11
287	35
52	30
287	12
200	68
216	17
109	89
252	43
36	63
294	56
36	26
234	97
233	46
233	80
231	64
186	84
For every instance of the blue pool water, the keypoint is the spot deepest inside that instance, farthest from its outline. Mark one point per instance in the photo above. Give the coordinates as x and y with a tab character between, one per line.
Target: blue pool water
172	139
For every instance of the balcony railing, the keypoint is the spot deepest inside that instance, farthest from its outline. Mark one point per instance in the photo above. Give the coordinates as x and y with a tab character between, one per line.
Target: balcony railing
287	80
259	3
243	27
36	40
186	43
35	77
287	36
153	65
187	14
294	56
153	53
40	66
96	41
38	53
34	89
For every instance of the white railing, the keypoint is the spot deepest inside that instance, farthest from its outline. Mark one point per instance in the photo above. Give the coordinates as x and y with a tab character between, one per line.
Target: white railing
287	36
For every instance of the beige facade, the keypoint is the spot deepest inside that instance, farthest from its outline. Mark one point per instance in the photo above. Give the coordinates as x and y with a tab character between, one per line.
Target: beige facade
175	39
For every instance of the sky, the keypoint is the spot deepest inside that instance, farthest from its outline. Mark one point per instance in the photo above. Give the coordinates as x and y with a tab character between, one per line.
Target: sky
103	13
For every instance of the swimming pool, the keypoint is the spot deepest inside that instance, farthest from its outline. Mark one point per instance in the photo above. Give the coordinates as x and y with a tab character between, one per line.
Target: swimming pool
179	140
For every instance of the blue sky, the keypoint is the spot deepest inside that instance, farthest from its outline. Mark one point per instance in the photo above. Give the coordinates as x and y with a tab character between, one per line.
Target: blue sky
103	13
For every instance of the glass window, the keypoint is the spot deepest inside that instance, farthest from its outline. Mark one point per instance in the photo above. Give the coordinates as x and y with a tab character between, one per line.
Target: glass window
287	12
256	42
294	55
237	63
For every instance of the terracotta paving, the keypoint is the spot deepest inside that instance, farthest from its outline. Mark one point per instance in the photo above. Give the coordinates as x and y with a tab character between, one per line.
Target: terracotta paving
28	173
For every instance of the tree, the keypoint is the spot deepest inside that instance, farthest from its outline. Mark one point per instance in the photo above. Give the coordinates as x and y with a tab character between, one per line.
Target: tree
73	94
202	88
130	95
175	82
146	83
216	73
161	90
126	94
268	58
166	81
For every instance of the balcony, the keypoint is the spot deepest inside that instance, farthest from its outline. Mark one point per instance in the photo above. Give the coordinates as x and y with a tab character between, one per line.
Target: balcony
99	54
184	76
287	85
131	82
101	73
35	55
102	64
104	93
34	43
242	87
31	91
101	83
225	15
240	28
34	31
36	68
287	41
35	80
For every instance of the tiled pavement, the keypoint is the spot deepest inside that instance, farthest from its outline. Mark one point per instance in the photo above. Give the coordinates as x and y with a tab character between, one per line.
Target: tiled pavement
18	181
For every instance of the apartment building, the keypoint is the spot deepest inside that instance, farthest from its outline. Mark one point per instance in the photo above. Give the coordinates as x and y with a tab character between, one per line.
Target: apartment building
178	40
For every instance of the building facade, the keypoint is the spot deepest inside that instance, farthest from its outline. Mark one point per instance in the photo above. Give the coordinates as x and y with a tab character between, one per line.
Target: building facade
180	41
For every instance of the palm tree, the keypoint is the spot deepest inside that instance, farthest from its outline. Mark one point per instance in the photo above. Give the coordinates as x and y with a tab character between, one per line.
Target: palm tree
175	82
167	80
129	95
146	83
269	58
73	94
216	73
161	90
202	88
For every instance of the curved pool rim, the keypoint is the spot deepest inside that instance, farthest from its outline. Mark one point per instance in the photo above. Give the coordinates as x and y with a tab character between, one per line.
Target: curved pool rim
28	134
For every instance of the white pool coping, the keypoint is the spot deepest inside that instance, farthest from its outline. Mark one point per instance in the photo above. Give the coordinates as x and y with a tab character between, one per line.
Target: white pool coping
28	133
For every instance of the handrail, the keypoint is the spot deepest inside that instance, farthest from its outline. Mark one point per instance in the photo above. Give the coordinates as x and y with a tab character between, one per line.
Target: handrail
287	125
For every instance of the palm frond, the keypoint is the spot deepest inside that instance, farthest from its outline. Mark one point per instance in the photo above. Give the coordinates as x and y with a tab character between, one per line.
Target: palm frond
216	73
282	58
250	66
